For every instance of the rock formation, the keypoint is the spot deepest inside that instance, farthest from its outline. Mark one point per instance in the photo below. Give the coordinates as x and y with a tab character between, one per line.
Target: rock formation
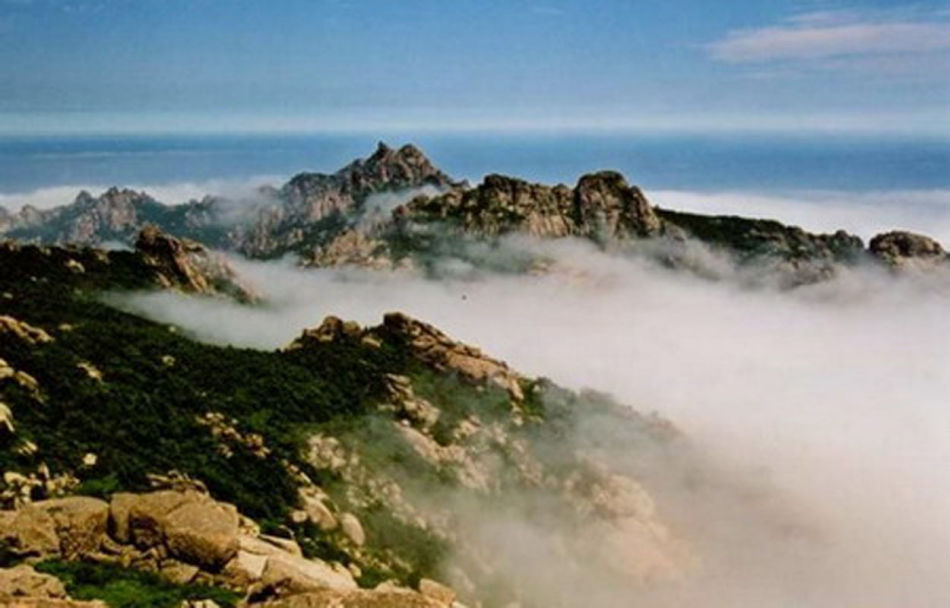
900	249
323	220
188	264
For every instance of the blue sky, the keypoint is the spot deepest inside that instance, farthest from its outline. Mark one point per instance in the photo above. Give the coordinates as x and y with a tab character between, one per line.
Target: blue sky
291	65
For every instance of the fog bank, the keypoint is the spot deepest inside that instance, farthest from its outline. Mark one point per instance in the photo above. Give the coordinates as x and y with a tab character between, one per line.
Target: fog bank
821	415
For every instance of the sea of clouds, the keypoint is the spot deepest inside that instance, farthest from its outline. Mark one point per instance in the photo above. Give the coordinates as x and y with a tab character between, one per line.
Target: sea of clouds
820	414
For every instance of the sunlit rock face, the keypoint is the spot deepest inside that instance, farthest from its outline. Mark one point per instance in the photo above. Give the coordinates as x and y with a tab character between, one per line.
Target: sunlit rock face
900	249
335	219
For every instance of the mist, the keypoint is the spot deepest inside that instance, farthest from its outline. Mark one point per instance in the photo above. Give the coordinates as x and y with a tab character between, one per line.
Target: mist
862	213
817	418
170	193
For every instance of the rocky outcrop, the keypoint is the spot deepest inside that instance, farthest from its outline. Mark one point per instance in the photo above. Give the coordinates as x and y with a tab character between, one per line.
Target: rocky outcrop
184	536
601	206
611	208
325	220
436	349
116	214
426	343
23	331
23	581
271	222
358	599
491	461
189	265
900	249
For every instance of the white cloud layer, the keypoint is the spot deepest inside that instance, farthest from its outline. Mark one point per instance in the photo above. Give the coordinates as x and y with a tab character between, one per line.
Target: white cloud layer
826	35
861	213
826	404
168	193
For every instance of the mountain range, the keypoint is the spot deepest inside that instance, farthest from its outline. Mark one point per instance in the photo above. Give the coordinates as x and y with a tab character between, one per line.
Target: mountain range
395	208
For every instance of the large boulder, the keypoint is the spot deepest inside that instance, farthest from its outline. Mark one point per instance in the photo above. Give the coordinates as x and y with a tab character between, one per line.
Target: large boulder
80	523
288	573
193	527
361	598
24	581
140	518
204	533
29	531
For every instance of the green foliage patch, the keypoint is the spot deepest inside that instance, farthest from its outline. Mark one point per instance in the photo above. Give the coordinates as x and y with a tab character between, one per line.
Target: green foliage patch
126	588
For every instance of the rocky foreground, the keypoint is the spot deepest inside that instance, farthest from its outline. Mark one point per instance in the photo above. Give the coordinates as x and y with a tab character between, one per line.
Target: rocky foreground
337	219
379	466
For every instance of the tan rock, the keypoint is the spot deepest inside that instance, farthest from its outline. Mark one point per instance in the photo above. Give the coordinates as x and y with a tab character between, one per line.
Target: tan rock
141	518
269	545
24	331
245	568
358	599
203	533
6	419
316	511
298	575
24	581
29	531
436	591
179	572
80	523
91	370
353	529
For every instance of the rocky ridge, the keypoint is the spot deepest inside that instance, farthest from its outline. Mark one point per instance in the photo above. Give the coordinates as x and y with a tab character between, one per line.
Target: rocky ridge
320	218
158	259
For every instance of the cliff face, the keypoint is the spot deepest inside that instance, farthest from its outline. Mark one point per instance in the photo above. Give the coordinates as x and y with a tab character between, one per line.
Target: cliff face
602	206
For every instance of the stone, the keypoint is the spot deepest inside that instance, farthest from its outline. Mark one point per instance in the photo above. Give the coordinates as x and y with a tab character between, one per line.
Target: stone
901	248
361	598
24	331
80	523
203	532
29	531
436	591
245	568
140	518
292	574
24	581
6	419
353	529
317	512
178	572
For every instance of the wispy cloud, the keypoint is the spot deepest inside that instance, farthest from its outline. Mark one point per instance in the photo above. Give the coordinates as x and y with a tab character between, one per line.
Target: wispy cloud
834	34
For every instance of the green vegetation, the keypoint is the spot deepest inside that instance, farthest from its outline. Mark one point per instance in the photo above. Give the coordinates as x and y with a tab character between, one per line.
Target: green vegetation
126	588
141	418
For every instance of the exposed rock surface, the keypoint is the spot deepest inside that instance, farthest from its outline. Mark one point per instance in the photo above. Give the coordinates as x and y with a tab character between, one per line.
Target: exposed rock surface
903	249
158	260
23	581
272	222
322	218
601	206
189	264
586	506
185	536
116	214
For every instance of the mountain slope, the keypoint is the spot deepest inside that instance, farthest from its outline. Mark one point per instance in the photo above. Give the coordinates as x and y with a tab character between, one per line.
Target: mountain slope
382	454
